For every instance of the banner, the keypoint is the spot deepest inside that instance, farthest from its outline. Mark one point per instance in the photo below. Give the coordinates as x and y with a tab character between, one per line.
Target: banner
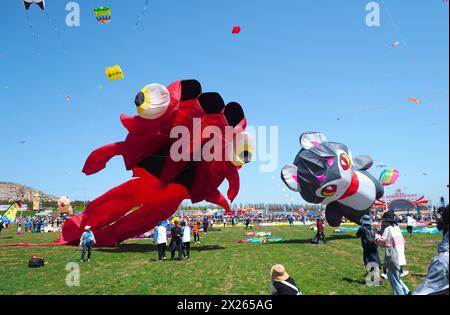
36	202
11	213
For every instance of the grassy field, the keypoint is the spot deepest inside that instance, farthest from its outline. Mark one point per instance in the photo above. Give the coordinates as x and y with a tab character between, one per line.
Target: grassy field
219	265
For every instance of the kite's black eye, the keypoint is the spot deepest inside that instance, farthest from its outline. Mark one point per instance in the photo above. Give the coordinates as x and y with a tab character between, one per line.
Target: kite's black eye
139	100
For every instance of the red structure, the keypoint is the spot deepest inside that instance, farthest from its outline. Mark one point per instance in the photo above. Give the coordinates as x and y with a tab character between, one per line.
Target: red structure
400	202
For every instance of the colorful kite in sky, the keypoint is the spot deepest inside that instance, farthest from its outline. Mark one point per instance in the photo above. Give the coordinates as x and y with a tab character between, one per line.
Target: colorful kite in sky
326	173
389	177
114	73
418	101
102	14
236	30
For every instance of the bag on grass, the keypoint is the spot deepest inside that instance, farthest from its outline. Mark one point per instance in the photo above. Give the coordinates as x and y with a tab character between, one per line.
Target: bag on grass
36	262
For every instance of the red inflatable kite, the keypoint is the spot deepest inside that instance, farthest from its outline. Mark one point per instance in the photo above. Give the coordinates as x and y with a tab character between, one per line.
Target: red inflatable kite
160	181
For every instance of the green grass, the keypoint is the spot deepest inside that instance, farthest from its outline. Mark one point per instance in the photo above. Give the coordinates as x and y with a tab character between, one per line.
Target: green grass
219	265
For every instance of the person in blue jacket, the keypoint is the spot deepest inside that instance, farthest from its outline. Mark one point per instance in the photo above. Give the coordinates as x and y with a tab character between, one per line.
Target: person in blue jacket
86	241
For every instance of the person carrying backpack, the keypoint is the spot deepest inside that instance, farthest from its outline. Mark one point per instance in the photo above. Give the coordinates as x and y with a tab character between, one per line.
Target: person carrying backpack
86	241
371	257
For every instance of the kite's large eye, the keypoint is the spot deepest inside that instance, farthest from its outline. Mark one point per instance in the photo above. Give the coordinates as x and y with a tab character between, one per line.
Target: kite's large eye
152	101
243	149
329	191
345	161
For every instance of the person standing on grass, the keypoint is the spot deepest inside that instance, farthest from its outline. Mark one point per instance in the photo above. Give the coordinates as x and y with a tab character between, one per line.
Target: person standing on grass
281	283
86	241
436	281
291	220
195	231
303	219
247	223
440	221
205	225
224	222
410	224
320	231
176	242
394	244
370	249
160	237
186	240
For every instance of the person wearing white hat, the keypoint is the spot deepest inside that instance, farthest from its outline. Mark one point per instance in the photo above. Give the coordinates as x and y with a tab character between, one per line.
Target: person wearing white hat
86	241
281	282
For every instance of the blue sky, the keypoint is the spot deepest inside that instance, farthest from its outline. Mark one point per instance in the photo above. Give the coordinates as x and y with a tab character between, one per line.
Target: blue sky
297	64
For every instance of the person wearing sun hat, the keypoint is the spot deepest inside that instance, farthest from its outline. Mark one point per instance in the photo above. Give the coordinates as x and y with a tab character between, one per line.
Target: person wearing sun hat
367	234
86	241
281	282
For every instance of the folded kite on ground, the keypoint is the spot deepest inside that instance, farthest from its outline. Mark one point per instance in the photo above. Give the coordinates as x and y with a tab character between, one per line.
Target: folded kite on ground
261	240
257	234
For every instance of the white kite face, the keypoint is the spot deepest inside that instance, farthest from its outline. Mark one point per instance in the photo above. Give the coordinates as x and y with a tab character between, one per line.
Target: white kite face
152	101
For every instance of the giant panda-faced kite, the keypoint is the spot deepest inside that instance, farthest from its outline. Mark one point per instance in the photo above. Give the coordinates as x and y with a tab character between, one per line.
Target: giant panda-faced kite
326	173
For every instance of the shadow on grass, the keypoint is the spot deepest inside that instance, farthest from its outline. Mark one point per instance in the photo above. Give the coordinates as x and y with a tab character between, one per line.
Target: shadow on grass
352	281
145	248
309	241
6	238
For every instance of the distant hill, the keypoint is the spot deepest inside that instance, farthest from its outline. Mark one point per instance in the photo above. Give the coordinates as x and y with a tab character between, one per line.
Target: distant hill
12	192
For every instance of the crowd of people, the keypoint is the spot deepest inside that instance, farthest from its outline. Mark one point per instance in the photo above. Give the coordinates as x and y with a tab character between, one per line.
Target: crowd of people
38	223
175	237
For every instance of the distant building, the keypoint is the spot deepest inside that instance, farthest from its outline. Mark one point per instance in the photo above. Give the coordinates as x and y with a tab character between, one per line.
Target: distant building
401	202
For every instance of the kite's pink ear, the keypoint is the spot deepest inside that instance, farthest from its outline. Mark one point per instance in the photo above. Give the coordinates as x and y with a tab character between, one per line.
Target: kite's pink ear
312	139
289	176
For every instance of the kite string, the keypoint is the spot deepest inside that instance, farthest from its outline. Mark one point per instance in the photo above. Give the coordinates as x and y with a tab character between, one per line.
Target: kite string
32	32
58	33
143	13
394	24
410	55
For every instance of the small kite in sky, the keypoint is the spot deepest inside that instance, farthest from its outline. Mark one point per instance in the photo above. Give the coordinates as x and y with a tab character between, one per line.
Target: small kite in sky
28	3
236	30
102	14
381	165
389	177
22	142
68	98
114	73
394	44
418	101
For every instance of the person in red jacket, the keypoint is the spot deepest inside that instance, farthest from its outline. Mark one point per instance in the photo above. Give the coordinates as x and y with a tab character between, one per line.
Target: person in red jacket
320	231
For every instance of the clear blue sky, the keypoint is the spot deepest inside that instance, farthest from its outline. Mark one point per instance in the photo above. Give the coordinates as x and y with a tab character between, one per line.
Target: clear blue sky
298	64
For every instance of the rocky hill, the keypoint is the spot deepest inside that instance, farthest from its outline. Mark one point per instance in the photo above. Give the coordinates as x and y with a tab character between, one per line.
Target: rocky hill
12	192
